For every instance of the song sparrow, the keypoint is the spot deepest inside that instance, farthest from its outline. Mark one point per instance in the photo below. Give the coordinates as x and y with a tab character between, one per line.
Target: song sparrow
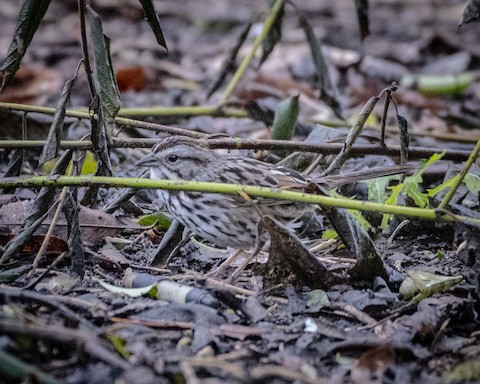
225	220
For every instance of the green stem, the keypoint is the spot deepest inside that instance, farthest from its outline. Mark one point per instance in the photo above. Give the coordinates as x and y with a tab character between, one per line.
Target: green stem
267	25
39	181
82	113
197	110
118	120
44	110
470	161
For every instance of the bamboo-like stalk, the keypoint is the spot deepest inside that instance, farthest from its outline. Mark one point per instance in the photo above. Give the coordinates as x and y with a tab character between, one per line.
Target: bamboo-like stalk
274	193
83	113
195	110
468	164
267	25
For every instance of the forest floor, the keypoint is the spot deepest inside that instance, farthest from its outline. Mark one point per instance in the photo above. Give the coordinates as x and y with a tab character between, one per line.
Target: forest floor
58	327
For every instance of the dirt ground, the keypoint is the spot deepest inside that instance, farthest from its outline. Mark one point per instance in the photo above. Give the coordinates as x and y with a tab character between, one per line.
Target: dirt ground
402	308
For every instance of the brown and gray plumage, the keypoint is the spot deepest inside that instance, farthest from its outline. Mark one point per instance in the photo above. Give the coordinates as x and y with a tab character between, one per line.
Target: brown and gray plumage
225	220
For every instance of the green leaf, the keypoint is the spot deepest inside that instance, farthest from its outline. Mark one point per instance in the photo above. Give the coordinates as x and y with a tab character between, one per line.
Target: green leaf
392	200
377	188
88	167
160	219
472	182
29	18
446	184
439	85
411	183
412	191
152	18
285	119
410	187
396	190
109	95
417	176
89	164
329	234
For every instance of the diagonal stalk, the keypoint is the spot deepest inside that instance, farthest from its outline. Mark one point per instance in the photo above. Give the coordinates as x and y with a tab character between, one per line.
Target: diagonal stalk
468	164
267	25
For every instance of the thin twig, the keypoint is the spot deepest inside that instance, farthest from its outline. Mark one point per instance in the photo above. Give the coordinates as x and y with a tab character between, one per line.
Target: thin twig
48	235
326	149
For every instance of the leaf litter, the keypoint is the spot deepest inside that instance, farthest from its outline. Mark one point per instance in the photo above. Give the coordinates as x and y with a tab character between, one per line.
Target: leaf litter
357	330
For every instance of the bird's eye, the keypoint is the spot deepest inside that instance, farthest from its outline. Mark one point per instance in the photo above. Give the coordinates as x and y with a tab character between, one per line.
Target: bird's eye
172	158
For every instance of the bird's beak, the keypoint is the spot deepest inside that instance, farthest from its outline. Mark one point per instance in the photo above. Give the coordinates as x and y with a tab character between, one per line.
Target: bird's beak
147	161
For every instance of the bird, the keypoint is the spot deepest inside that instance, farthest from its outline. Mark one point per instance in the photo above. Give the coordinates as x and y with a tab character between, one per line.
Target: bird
231	220
224	220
